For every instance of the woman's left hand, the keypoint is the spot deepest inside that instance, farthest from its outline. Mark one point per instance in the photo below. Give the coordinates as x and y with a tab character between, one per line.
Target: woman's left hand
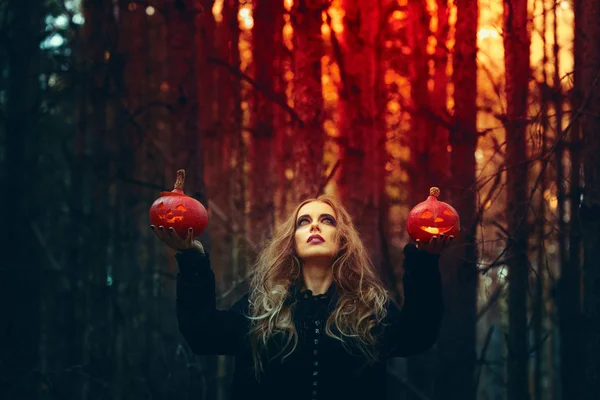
435	245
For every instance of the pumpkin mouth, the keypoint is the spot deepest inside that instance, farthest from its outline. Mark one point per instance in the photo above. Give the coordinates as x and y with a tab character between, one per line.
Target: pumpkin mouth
435	230
172	218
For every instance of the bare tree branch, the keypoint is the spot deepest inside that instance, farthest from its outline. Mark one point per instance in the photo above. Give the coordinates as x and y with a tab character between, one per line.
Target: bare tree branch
268	94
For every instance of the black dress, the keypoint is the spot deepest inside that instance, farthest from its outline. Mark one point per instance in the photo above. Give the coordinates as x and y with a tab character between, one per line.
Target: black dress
319	368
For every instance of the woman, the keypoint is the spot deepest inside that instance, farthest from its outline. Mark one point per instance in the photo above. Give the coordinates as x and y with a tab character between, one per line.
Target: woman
317	322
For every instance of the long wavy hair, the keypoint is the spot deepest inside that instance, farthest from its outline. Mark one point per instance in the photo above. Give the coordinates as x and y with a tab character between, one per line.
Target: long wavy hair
361	295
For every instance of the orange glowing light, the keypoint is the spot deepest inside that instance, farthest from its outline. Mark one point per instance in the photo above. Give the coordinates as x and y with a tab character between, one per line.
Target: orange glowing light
485	33
168	215
435	231
245	17
393	106
331	129
337	16
430	229
217	10
390	76
431	45
288	30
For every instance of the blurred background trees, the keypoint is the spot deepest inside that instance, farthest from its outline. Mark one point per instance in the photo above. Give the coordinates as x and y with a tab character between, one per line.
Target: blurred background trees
264	103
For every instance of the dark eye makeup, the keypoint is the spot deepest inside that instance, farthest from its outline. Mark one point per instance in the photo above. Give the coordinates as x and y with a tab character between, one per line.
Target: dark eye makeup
324	217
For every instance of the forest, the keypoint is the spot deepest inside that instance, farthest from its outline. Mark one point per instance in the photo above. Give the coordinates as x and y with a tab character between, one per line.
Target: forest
265	103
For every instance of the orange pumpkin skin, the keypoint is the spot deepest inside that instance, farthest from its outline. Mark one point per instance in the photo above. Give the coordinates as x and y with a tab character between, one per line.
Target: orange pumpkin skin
432	218
178	211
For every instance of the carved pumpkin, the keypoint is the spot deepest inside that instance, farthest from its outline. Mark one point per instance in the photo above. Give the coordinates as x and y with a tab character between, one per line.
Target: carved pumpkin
432	218
178	211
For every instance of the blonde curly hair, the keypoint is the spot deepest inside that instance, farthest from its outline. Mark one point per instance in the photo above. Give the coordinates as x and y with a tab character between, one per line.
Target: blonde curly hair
361	301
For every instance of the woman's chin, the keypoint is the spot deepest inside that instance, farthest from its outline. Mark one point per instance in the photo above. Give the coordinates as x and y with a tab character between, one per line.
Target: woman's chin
317	256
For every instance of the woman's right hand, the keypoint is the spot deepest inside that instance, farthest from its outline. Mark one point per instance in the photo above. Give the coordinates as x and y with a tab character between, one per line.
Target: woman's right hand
174	241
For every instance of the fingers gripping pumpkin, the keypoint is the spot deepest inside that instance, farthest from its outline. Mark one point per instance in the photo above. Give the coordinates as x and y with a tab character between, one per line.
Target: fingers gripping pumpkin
432	218
178	211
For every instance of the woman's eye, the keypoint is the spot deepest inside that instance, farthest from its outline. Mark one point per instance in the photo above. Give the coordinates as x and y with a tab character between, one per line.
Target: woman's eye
302	221
331	221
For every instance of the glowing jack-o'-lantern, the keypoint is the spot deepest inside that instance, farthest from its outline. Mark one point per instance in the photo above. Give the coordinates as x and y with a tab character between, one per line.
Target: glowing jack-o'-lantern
178	211
432	218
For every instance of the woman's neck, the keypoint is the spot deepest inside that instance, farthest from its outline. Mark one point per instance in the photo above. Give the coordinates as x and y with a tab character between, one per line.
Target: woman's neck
317	279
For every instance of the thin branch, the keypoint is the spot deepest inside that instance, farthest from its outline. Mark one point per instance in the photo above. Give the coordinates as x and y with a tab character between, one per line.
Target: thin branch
338	55
328	177
493	298
268	94
44	244
420	395
488	198
480	361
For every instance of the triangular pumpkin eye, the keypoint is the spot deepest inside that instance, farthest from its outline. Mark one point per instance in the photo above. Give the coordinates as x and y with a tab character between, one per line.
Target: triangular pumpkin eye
181	207
448	212
426	214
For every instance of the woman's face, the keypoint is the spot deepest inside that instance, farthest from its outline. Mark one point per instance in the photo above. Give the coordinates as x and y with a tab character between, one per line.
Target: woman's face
315	237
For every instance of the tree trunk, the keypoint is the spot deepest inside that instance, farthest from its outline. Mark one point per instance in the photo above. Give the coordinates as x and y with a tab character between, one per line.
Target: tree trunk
190	32
439	96
590	208
183	92
575	156
457	340
361	136
268	24
232	113
91	174
421	137
538	311
425	161
568	286
422	145
284	138
21	272
308	97
516	47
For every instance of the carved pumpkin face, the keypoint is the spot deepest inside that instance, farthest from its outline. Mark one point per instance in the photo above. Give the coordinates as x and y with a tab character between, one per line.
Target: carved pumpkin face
179	211
432	218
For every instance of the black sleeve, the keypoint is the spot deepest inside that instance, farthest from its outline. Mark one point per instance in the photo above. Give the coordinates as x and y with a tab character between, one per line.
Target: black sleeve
206	329
414	329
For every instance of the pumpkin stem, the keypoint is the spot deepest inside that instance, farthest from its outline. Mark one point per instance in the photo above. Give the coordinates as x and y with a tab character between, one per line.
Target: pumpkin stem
434	191
180	179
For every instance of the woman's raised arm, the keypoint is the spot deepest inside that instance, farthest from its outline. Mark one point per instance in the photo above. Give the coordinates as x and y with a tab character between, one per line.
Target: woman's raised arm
414	329
206	329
